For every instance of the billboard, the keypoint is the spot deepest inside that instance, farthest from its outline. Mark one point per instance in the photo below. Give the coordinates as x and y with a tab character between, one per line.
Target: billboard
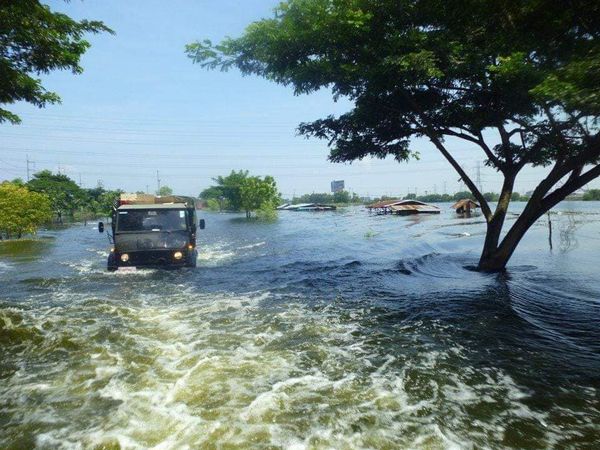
337	185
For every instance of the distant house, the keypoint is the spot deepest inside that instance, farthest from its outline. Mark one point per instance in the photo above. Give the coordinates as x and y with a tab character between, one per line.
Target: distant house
465	206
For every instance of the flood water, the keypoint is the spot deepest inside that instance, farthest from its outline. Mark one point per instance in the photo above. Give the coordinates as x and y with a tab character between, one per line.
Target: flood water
320	330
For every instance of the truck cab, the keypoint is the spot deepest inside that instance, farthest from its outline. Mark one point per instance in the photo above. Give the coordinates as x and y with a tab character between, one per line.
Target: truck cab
161	233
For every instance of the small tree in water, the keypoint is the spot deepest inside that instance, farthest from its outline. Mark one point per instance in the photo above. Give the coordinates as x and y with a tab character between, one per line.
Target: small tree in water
259	194
525	75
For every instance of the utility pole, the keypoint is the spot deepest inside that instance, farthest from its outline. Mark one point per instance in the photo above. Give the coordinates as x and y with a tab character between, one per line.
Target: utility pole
27	160
479	177
147	190
157	182
80	185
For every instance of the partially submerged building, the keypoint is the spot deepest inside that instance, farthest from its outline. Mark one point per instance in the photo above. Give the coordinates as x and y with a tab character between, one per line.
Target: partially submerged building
402	207
465	206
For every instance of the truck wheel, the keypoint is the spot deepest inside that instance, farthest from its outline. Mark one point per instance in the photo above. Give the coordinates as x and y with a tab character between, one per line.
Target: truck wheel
192	259
111	265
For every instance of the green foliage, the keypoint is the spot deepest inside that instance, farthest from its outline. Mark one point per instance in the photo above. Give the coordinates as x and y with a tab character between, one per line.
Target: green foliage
106	201
35	40
431	68
491	196
315	197
212	204
462	194
22	211
164	191
258	194
341	197
239	191
213	192
516	197
64	194
435	198
228	188
592	194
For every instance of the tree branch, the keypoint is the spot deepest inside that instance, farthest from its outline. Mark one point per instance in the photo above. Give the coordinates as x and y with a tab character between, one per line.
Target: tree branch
485	207
476	140
569	187
430	132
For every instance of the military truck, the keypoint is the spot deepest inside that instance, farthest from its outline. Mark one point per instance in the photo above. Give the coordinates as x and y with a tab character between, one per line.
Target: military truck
150	231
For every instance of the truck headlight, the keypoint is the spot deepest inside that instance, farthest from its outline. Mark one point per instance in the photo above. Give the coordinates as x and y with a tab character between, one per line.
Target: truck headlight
177	255
124	257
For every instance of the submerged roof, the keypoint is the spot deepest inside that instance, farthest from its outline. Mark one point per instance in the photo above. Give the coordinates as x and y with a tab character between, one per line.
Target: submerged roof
390	203
414	206
383	203
465	203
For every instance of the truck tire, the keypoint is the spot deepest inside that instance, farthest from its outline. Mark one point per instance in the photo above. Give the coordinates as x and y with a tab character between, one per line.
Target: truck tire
192	259
111	265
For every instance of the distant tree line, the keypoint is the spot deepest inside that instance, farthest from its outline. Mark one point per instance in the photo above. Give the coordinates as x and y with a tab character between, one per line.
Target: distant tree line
592	194
49	198
340	198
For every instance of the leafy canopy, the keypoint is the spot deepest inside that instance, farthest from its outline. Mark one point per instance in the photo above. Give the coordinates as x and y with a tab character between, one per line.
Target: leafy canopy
33	41
22	211
64	194
257	193
227	189
241	192
164	191
529	71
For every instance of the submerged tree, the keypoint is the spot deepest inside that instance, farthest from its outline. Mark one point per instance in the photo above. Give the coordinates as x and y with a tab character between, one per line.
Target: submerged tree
35	40
257	194
518	80
239	191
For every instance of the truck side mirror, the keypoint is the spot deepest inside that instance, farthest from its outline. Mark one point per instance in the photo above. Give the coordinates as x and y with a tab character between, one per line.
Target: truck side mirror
202	224
100	227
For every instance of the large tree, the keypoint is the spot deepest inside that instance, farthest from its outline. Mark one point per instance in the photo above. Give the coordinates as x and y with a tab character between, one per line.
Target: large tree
35	40
64	194
520	80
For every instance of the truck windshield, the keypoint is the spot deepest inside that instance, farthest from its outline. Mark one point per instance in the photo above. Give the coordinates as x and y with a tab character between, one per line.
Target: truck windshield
151	220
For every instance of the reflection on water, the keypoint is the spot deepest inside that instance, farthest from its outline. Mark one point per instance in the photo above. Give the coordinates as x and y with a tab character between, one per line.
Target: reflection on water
326	330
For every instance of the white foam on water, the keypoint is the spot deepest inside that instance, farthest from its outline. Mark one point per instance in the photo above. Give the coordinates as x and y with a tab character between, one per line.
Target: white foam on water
249	246
215	254
208	370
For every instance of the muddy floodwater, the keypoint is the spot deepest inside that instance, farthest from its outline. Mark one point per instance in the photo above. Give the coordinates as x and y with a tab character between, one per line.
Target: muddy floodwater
316	331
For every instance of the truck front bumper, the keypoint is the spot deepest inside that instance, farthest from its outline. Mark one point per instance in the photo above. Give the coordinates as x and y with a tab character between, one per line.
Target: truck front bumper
153	258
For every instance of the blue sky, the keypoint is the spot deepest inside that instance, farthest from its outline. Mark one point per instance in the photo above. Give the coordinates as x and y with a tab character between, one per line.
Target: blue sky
141	105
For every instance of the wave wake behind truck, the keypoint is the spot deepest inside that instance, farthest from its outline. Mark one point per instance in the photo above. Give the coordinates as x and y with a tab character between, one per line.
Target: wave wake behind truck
149	231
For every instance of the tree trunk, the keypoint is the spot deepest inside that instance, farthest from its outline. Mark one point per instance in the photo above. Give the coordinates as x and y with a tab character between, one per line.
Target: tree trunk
495	259
490	260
